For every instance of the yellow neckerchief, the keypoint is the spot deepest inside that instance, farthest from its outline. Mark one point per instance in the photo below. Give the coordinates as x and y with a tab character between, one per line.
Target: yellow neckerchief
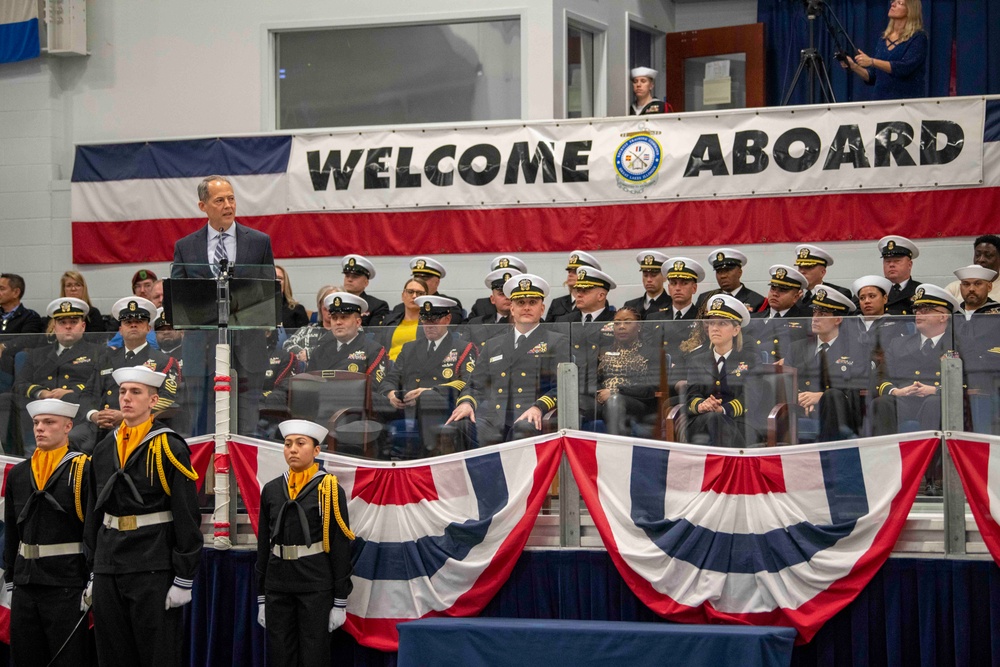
43	463
129	437
298	480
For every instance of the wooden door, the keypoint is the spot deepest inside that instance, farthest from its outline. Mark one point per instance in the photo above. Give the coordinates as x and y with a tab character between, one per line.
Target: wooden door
695	67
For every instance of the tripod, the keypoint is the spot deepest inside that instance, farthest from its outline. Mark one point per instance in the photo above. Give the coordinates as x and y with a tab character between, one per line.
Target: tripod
811	62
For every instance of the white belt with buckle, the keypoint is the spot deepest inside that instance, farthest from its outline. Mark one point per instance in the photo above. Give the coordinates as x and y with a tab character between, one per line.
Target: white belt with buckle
32	551
296	551
137	521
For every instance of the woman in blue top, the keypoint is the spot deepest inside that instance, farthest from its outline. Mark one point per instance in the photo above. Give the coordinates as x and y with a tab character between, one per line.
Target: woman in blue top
897	68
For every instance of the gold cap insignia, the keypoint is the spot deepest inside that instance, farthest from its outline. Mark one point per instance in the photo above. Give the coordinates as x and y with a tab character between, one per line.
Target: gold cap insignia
133	306
780	274
337	301
581	274
507	277
891	245
648	260
678	265
717	304
524	285
919	294
427	306
504	263
804	253
574	259
65	306
719	257
351	262
421	264
821	294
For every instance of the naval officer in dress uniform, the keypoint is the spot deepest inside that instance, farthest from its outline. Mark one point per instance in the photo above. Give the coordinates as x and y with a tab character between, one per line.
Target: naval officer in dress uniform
484	307
514	382
898	253
656	299
143	530
358	271
728	264
44	563
303	553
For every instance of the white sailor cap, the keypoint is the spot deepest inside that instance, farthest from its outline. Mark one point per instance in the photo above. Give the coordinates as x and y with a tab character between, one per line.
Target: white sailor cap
133	308
880	282
975	272
433	306
67	306
897	246
727	307
496	279
426	266
786	276
812	255
359	265
588	276
525	285
932	295
342	302
141	374
52	406
508	262
650	260
303	427
580	258
684	268
830	299
723	258
644	71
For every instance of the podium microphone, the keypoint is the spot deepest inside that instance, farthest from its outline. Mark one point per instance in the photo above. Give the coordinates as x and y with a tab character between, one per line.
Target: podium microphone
224	266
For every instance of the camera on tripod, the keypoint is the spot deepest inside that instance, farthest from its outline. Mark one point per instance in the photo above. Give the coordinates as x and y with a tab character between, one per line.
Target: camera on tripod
811	62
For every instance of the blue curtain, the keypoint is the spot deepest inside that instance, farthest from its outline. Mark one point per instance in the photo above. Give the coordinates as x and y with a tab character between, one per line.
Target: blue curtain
964	31
914	612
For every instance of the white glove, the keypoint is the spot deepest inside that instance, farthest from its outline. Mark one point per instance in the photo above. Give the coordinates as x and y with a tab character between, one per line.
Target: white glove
87	598
6	590
338	616
177	597
260	616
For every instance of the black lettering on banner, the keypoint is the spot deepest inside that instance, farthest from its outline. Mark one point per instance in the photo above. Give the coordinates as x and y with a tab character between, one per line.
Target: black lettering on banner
374	166
810	154
891	140
468	172
847	147
406	177
519	160
706	156
954	141
748	152
435	175
576	154
341	175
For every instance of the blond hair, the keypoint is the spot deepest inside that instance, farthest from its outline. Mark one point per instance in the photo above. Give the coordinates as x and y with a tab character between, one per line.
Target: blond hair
914	22
78	277
286	287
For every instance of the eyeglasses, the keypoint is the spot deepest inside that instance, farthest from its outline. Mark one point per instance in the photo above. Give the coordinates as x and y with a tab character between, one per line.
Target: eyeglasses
413	292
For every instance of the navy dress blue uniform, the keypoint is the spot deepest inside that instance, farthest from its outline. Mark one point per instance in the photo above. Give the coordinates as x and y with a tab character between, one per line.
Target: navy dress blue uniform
303	566
657	306
45	606
483	309
561	306
361	355
377	310
144	530
741	422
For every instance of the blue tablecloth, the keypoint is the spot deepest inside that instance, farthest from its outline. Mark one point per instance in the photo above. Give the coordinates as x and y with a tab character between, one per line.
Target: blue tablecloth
493	642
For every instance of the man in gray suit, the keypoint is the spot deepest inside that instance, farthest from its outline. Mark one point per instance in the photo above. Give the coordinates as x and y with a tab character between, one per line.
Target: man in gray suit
199	255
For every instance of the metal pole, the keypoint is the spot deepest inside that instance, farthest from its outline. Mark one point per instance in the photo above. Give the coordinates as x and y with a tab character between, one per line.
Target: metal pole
221	515
568	400
952	419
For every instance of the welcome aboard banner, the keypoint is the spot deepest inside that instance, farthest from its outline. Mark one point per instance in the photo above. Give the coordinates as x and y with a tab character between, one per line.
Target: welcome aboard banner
823	173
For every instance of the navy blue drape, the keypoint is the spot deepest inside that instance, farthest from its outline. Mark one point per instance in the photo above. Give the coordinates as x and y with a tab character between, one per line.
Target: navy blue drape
914	611
959	33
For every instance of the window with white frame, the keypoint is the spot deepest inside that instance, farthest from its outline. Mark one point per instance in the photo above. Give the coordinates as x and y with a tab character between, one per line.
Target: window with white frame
579	72
390	75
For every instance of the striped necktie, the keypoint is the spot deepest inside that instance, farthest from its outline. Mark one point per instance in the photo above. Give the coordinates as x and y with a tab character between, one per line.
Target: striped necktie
220	249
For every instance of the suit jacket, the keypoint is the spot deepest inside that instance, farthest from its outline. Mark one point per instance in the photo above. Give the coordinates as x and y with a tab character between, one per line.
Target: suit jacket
901	301
658	305
24	321
506	382
377	311
254	259
752	300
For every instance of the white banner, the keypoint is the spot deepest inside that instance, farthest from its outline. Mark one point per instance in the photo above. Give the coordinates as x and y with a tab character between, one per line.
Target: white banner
850	147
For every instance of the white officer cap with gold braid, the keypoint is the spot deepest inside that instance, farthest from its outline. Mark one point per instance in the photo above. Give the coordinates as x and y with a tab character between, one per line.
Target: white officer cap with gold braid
588	276
932	295
496	279
433	306
722	258
303	427
525	285
580	258
650	259
141	374
812	255
880	282
897	246
427	266
684	268
342	302
975	272
786	276
67	306
827	298
508	262
52	406
729	308
133	308
358	264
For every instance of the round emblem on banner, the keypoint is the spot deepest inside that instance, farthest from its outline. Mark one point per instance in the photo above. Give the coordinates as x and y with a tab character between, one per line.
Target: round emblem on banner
637	162
352	368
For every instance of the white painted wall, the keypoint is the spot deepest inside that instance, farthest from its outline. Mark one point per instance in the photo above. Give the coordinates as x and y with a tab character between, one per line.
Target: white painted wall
186	67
